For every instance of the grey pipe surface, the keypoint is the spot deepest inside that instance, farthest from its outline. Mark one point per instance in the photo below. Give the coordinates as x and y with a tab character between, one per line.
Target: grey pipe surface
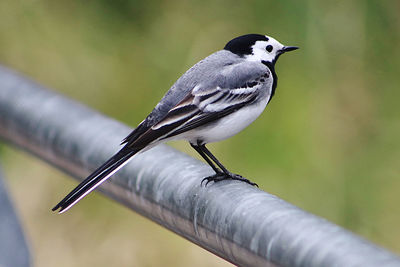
14	250
233	220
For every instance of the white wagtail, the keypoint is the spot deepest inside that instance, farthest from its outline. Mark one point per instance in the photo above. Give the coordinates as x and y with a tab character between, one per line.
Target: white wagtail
215	99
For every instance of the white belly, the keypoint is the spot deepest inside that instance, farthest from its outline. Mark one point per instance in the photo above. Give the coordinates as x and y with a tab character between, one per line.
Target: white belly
227	126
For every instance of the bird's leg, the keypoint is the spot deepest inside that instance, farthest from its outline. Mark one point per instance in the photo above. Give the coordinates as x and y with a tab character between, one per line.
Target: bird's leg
219	176
200	151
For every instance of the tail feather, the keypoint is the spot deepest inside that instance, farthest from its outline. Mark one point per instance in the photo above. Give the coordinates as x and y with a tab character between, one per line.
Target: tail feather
101	174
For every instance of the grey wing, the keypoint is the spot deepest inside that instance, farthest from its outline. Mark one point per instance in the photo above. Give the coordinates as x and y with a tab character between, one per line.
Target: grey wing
182	87
171	98
233	88
211	107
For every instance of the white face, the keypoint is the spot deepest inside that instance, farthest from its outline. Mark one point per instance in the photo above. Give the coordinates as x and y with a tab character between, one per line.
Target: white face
265	50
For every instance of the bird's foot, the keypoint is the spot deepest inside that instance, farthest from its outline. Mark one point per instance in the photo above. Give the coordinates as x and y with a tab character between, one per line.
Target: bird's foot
220	176
238	177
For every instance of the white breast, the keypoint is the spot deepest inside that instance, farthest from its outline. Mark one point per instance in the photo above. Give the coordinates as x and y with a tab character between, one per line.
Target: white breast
227	126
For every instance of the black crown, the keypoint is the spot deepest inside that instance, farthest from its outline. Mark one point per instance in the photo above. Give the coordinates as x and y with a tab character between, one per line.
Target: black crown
242	45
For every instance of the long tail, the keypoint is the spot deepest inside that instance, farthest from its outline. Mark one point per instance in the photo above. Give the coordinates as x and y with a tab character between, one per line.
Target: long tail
104	172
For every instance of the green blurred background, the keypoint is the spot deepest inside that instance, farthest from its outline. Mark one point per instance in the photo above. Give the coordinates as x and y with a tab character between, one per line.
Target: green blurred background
328	142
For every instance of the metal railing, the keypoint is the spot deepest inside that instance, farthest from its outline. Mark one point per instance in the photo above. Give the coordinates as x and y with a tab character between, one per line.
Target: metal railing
14	250
233	220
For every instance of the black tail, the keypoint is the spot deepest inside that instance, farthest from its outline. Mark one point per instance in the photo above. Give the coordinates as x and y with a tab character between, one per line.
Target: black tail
95	179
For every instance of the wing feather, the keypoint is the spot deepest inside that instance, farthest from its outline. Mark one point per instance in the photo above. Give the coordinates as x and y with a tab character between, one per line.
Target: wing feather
219	103
208	117
216	97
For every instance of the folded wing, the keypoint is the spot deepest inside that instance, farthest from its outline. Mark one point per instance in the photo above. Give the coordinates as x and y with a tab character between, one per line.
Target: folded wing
197	109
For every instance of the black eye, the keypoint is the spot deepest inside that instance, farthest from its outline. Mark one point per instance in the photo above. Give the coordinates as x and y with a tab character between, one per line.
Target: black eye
269	48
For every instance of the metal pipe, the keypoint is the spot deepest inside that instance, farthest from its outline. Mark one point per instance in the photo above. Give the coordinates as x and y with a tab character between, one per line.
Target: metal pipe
233	220
14	250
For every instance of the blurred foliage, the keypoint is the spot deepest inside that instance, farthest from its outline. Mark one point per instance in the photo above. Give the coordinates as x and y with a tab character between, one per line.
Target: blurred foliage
328	142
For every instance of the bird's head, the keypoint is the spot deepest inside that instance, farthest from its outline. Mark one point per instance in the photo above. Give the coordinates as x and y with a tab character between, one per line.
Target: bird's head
257	47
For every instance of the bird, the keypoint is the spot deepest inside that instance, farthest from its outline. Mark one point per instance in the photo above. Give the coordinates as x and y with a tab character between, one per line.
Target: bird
215	99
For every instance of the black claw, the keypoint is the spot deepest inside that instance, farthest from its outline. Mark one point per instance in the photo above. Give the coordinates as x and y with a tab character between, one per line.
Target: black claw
220	176
241	178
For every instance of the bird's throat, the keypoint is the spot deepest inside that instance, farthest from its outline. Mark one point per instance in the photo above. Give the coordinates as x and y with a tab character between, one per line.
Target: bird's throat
271	67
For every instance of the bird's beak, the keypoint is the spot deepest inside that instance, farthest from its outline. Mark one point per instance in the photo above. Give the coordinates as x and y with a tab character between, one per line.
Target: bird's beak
288	48
284	50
